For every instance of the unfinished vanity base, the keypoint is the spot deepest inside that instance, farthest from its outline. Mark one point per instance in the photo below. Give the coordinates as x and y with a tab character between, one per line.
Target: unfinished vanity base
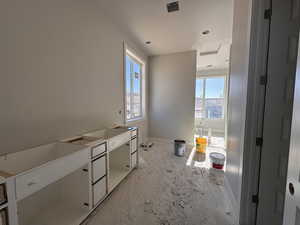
119	165
63	202
62	183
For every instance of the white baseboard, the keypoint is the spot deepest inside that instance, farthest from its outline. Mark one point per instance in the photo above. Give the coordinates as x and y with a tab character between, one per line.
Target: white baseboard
233	202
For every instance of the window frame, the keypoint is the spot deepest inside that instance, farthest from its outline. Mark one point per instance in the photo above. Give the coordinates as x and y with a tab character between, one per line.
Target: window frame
204	78
128	52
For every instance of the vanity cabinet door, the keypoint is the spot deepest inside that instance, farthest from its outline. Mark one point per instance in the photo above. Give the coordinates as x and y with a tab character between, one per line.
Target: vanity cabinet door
134	145
99	168
98	150
134	160
134	133
99	191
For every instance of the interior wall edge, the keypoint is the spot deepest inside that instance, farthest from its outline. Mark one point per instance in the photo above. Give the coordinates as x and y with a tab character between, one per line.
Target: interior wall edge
232	200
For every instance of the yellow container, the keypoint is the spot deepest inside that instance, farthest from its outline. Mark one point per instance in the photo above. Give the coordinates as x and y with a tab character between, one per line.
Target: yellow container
201	144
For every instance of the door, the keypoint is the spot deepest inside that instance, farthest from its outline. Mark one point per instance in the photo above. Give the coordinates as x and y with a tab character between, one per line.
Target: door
278	110
292	197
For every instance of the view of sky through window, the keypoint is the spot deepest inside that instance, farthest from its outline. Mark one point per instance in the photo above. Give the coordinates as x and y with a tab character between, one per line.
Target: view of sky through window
133	88
210	98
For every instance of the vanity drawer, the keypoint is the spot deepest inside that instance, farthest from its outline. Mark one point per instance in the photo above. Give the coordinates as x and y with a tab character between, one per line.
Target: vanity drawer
134	159
134	133
98	150
38	178
134	145
119	140
3	217
3	196
99	191
99	168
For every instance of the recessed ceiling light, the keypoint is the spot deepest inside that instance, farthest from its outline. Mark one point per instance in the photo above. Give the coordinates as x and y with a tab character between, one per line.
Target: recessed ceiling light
148	42
206	32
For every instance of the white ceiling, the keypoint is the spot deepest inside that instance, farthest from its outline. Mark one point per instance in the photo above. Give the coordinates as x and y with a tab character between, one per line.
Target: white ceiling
148	20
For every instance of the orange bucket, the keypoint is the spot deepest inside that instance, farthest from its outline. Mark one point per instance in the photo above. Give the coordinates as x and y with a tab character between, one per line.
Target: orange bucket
201	144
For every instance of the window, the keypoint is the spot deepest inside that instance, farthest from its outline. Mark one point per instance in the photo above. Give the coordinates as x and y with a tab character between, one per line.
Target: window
210	98
133	82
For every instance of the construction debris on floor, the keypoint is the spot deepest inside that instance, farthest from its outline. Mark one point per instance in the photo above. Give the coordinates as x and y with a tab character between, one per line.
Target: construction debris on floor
164	190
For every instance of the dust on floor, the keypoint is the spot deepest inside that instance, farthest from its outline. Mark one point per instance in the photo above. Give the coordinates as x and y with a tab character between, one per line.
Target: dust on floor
165	191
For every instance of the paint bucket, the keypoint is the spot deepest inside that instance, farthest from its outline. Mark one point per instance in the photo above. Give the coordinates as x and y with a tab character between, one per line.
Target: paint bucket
201	144
217	160
179	147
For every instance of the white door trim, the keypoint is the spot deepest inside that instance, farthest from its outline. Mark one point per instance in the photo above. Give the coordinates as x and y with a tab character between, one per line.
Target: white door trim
254	112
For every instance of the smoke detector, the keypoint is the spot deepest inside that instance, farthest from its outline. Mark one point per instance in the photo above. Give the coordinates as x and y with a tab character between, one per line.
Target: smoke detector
173	6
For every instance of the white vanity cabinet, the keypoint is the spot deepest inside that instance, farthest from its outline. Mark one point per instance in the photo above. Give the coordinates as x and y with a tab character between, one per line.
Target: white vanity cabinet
134	144
99	169
63	202
118	141
119	164
99	149
37	178
134	148
99	173
99	191
134	160
63	182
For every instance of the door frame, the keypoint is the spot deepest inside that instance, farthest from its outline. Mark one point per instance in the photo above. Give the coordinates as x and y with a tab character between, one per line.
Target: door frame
258	58
284	34
256	94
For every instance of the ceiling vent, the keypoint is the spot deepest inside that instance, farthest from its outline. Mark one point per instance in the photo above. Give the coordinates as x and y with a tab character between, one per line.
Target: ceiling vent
173	6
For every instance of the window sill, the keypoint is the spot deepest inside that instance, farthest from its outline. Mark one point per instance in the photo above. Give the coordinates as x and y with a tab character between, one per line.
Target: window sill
205	119
139	119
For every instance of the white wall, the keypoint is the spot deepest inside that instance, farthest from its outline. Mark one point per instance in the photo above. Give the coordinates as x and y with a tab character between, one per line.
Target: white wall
61	66
172	95
238	97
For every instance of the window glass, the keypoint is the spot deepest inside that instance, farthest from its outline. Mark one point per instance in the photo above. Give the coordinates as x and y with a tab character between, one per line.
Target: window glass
214	97
210	98
214	87
199	99
133	88
214	108
136	90
128	87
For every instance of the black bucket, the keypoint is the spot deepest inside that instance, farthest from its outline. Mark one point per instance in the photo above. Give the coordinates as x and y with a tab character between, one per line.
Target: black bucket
179	147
